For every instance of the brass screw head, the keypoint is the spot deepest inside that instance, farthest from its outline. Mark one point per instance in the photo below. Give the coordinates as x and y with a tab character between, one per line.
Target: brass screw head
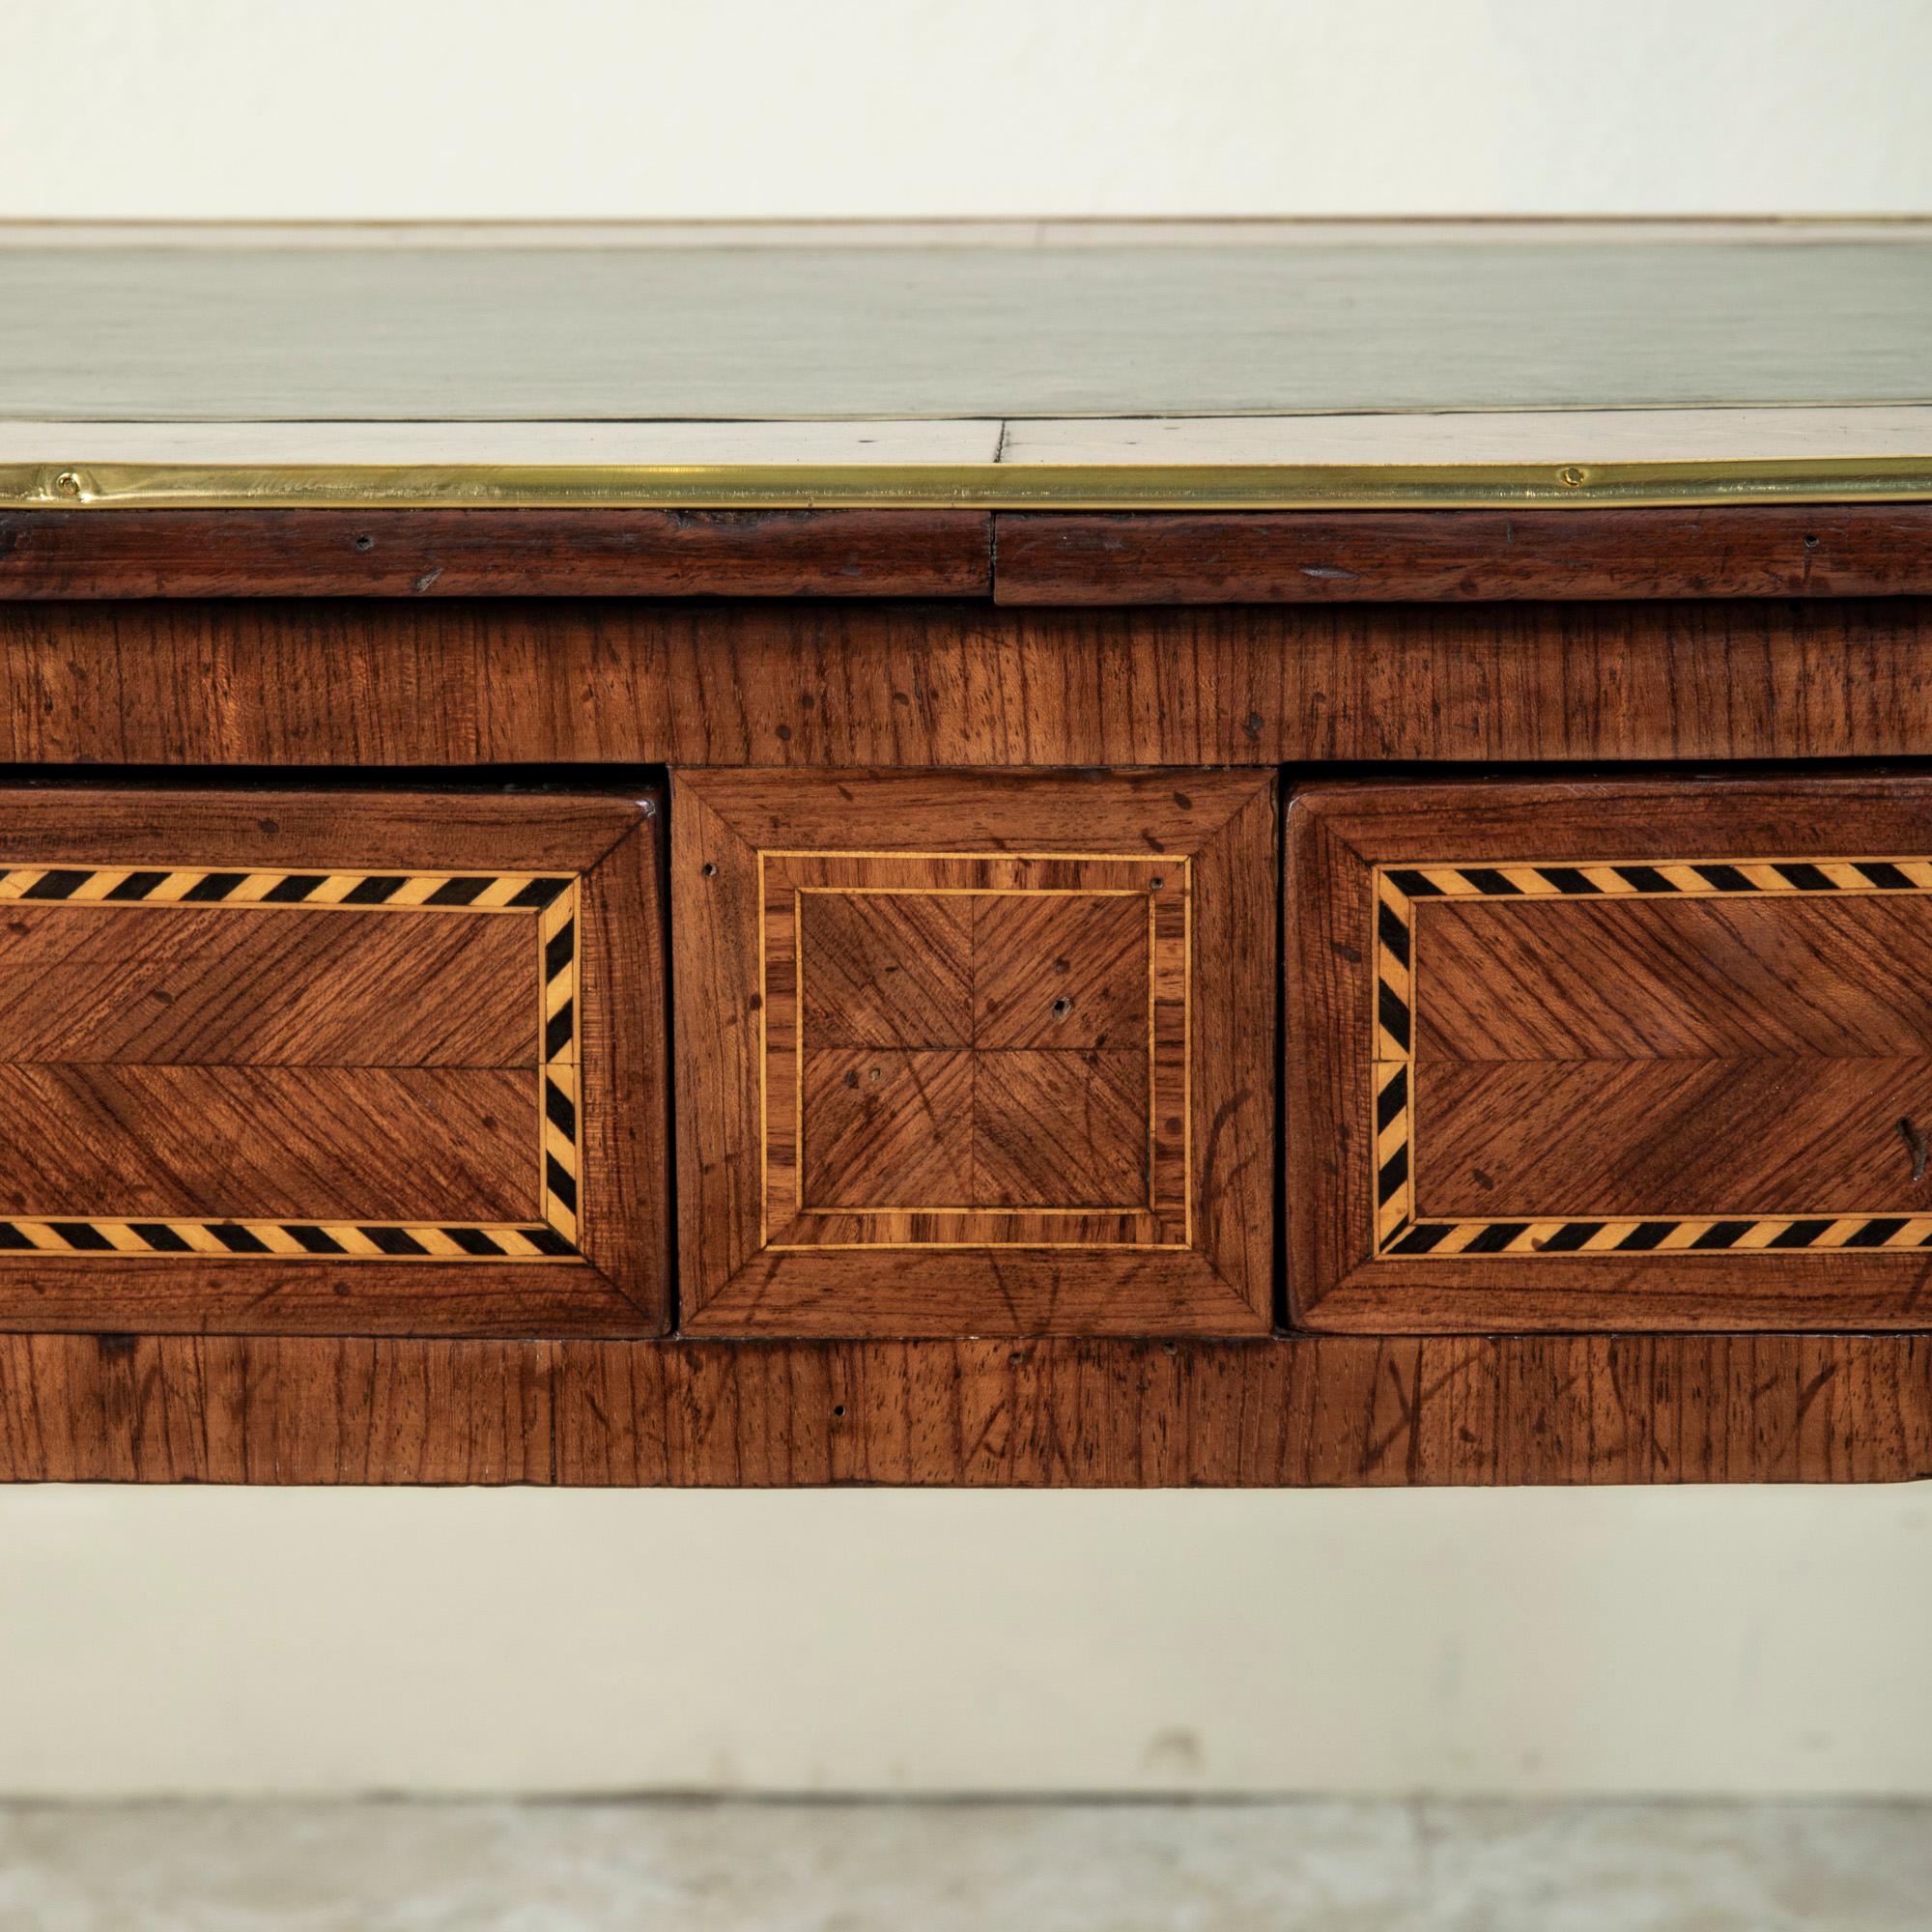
1570	476
68	483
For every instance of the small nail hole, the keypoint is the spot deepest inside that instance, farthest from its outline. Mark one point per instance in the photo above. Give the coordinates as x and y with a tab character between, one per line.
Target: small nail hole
708	869
365	543
1061	1007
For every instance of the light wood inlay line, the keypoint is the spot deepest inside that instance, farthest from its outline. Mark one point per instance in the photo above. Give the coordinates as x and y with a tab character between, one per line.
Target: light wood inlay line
1034	1068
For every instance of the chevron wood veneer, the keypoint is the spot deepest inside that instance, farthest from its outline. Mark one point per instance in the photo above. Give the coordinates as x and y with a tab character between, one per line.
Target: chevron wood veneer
1640	1054
989	1049
1003	1058
278	1062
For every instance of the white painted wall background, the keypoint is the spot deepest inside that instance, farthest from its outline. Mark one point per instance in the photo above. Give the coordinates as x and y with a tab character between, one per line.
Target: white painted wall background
1622	1640
810	107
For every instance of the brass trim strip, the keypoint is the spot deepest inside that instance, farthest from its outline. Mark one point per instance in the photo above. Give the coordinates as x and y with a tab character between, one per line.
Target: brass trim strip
984	486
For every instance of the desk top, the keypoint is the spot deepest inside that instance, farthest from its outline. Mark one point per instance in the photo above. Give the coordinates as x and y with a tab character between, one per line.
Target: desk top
1098	365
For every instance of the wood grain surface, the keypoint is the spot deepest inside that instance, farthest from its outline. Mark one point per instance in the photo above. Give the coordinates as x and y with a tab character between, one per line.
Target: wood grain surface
138	986
1351	1410
1043	558
361	1060
1586	1059
973	1052
465	682
1639	1054
1390	556
75	554
240	1140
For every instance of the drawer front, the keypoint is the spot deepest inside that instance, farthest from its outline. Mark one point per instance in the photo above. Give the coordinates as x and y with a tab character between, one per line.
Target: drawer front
330	1062
1616	1055
974	1052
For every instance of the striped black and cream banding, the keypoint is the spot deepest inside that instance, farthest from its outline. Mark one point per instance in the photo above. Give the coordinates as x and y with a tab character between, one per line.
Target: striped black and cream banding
1398	1233
360	892
1773	1234
556	937
287	1240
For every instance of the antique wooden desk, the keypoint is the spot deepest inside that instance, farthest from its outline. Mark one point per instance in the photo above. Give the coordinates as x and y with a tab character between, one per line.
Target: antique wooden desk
1186	855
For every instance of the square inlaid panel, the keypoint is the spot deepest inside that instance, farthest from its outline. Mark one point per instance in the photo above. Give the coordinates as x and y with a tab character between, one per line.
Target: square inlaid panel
973	1052
330	1063
1642	1053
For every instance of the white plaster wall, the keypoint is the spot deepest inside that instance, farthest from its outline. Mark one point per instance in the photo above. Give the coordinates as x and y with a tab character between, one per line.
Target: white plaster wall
1529	1641
1664	1641
452	108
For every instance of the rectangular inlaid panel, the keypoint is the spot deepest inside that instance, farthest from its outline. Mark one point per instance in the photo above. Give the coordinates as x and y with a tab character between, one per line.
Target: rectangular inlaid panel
1640	1054
983	1052
324	1063
974	1051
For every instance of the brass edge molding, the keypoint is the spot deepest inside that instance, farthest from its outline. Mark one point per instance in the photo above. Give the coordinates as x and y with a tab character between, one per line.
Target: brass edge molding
982	485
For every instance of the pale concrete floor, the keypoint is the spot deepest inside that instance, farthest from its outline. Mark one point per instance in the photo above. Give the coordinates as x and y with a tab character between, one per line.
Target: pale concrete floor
701	1866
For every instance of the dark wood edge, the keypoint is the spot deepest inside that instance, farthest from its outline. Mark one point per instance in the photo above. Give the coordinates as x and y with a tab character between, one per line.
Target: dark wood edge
1321	1201
1431	556
223	821
715	1030
1167	809
82	554
940	1294
1015	557
169	1295
1303	1412
1880	1292
1236	980
625	1076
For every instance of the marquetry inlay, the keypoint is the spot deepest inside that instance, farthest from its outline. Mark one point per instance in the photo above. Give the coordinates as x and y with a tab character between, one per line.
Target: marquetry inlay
984	1050
1798	969
549	903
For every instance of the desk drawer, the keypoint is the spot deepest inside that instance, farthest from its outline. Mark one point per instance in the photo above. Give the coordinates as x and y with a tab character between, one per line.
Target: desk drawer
1611	1055
975	1053
333	1062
